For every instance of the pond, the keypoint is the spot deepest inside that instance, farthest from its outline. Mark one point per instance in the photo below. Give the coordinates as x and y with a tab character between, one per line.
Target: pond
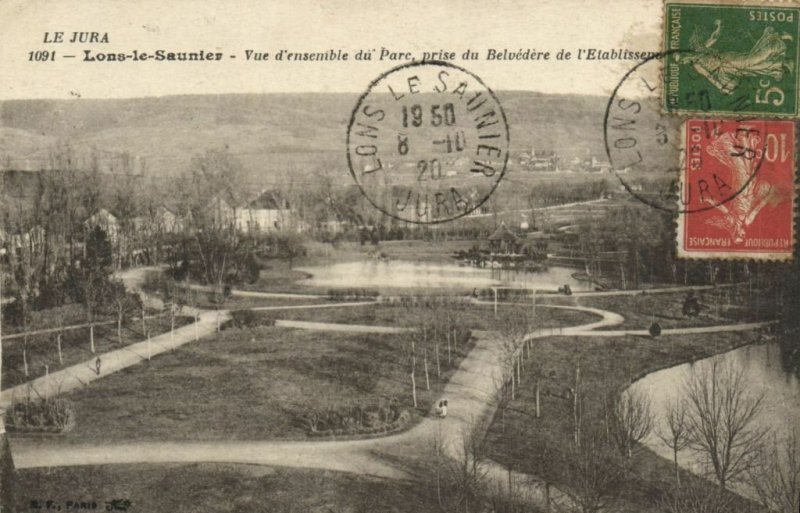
428	275
763	371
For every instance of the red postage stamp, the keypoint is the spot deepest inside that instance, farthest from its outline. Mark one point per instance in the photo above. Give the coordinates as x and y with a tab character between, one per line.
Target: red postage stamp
737	189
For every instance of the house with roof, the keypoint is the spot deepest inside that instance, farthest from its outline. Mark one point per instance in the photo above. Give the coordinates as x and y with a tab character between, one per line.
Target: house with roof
269	212
106	221
167	220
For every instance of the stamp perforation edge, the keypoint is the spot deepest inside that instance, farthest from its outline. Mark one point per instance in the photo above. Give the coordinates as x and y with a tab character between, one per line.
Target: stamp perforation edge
712	256
741	4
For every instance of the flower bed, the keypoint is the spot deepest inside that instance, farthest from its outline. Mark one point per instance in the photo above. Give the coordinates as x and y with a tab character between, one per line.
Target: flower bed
40	415
351	294
356	420
422	300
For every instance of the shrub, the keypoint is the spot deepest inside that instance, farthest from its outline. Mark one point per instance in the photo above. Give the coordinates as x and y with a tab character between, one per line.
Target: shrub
250	319
154	281
52	414
351	294
357	419
252	268
426	301
504	294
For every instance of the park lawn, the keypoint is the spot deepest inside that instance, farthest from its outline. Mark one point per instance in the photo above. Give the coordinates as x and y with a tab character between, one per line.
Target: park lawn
722	306
67	315
217	488
253	384
518	440
75	346
474	317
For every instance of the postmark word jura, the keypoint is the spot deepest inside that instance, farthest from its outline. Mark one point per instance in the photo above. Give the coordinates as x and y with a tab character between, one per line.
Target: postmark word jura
757	160
427	142
731	58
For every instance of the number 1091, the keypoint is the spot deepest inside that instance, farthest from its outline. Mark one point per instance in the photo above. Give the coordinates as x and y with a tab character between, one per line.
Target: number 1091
41	56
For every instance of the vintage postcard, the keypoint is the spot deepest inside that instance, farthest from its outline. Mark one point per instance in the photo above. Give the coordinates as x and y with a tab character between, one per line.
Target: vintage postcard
352	256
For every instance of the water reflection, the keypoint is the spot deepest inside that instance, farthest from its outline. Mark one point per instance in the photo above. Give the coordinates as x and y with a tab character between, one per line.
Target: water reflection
763	372
401	274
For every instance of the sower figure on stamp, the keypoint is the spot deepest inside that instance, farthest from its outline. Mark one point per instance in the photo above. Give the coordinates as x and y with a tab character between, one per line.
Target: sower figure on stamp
767	58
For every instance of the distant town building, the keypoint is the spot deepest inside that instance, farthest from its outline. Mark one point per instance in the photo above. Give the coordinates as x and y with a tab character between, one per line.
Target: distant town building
106	221
543	160
599	165
269	212
167	220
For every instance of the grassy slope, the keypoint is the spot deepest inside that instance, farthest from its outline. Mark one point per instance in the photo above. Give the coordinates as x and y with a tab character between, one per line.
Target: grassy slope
721	306
480	317
217	488
248	384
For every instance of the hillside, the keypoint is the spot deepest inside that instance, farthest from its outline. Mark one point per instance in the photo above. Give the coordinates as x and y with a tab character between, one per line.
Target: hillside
272	134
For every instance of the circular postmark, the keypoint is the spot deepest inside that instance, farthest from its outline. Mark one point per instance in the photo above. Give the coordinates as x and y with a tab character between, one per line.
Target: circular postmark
427	142
685	164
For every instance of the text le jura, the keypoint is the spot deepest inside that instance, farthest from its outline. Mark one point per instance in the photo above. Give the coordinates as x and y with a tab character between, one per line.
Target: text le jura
76	37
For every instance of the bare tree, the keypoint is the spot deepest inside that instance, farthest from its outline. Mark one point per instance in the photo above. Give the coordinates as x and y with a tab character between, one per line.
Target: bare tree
629	420
124	304
515	327
776	479
696	497
423	335
577	406
502	388
411	353
538	376
172	297
676	434
593	474
211	193
468	472
721	417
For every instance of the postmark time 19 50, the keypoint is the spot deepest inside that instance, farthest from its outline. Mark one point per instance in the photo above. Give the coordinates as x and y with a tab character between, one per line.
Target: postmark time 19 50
730	57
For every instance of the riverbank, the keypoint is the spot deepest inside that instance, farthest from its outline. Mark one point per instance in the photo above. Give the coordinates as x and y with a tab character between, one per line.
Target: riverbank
520	441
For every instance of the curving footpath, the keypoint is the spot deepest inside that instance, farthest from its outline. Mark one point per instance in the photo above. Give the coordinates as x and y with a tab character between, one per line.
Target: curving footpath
81	374
471	392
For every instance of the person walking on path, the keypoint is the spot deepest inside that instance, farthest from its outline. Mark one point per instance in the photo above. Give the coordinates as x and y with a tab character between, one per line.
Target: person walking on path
97	365
441	409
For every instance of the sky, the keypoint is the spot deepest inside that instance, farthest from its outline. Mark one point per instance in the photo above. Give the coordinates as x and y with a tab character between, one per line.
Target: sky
312	26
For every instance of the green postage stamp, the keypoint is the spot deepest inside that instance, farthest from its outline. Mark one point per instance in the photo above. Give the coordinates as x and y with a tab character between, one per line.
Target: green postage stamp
736	58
